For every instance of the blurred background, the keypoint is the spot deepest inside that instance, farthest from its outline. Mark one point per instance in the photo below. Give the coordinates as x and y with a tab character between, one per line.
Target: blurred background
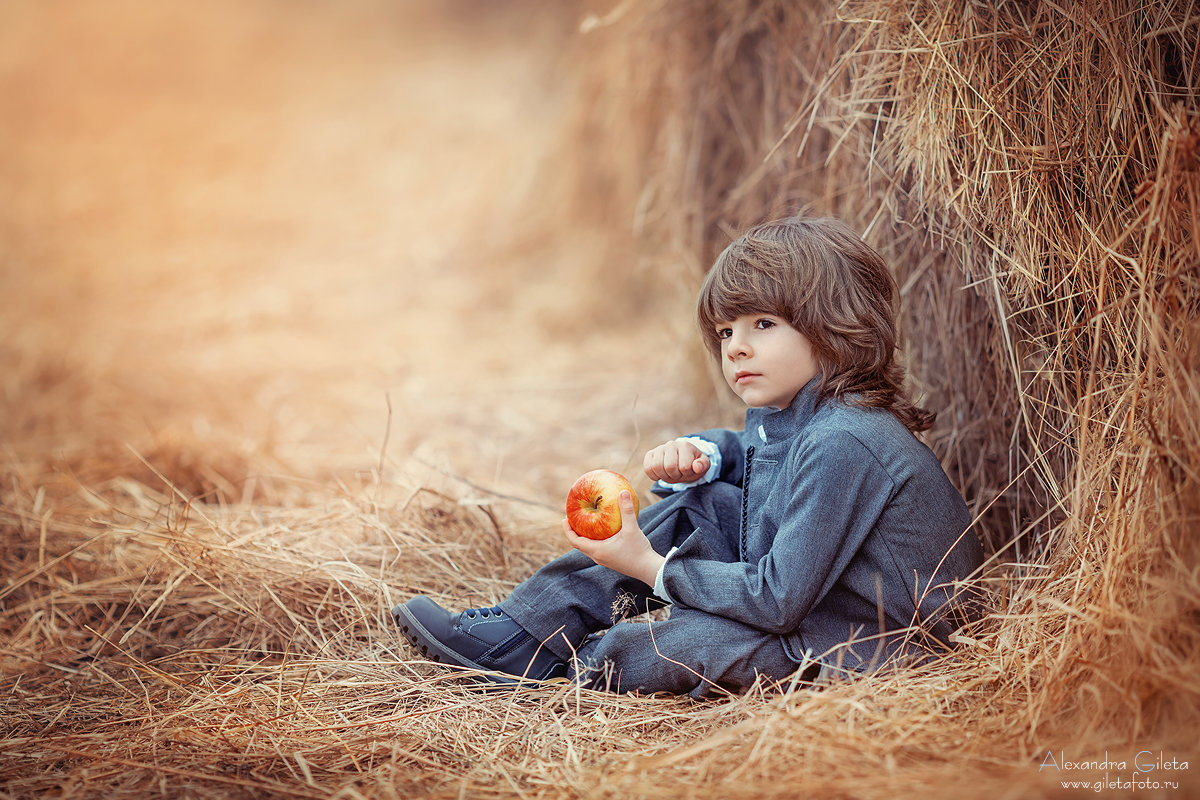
250	239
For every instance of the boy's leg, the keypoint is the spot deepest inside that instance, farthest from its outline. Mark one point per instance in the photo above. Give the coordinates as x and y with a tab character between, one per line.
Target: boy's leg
692	653
572	596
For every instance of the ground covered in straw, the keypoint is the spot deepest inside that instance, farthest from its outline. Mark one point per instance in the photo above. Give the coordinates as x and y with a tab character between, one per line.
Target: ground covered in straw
307	310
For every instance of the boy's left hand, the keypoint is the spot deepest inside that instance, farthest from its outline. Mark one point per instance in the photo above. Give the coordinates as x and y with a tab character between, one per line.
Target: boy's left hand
628	551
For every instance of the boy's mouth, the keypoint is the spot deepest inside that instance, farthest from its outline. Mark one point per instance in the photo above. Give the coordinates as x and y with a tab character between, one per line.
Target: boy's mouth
744	377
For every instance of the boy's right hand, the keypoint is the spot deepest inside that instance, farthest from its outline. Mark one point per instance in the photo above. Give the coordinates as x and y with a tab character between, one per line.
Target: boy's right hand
678	461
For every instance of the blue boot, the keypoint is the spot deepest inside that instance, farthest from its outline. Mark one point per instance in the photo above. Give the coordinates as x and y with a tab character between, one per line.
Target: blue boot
485	639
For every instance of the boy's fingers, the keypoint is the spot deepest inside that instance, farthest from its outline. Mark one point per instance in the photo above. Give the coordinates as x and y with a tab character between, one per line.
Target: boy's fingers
675	461
625	502
653	463
570	534
685	462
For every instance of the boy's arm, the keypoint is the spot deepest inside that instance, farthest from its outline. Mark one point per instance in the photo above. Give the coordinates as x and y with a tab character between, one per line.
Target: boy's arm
629	551
838	491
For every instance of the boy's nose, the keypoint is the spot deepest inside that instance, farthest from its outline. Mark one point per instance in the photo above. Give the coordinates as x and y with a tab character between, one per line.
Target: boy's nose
738	346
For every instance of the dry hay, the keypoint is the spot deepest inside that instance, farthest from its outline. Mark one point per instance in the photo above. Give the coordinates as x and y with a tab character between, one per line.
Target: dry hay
1032	171
1045	157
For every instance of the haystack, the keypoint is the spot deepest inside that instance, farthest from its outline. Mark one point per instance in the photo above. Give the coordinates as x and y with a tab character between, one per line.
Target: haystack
1032	172
173	627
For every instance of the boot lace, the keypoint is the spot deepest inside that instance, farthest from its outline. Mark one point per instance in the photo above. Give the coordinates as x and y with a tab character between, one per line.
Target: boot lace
494	611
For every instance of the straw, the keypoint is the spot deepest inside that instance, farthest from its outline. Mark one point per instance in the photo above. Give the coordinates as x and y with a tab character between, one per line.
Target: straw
182	619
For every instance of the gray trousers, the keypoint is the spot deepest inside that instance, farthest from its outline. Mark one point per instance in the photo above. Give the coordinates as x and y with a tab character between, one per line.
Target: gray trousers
575	607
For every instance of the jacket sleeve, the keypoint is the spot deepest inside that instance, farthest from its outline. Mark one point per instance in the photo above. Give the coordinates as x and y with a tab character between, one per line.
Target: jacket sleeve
836	492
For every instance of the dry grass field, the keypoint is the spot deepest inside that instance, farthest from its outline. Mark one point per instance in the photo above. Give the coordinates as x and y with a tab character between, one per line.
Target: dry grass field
306	307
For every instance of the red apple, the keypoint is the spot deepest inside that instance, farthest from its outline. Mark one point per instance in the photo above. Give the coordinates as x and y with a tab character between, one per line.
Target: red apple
593	510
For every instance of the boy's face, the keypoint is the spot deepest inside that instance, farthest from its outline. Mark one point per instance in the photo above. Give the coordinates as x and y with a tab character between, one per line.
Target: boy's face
765	360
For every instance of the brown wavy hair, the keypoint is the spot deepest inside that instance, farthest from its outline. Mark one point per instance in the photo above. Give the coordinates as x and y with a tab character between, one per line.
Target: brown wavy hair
829	285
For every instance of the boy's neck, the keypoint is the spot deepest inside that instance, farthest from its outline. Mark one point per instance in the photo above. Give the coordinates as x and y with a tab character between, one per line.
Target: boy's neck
798	412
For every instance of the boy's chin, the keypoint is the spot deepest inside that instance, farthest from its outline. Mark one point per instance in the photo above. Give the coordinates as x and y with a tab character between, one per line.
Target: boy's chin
754	399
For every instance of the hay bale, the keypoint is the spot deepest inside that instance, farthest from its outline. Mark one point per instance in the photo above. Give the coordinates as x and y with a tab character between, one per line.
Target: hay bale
1032	172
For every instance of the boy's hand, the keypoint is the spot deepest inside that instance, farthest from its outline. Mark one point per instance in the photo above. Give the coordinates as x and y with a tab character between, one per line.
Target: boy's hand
675	462
628	551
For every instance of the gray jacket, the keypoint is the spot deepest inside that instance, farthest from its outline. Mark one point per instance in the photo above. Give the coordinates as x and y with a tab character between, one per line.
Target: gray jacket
850	536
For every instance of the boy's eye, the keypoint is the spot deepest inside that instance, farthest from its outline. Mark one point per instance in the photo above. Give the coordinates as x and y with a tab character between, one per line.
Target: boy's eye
724	333
763	324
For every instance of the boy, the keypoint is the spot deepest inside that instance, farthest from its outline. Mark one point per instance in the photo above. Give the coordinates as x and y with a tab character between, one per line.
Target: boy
823	537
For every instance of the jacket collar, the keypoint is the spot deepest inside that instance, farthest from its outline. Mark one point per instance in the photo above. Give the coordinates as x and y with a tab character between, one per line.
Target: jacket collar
773	424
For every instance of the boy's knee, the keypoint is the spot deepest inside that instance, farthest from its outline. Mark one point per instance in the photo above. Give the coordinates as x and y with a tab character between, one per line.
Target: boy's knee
664	656
624	659
690	653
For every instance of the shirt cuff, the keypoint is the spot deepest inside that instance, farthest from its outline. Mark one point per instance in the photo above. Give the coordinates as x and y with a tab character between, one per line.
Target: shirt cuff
660	590
709	449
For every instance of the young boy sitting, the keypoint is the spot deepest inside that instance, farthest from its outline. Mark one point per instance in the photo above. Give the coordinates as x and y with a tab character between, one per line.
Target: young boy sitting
823	537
